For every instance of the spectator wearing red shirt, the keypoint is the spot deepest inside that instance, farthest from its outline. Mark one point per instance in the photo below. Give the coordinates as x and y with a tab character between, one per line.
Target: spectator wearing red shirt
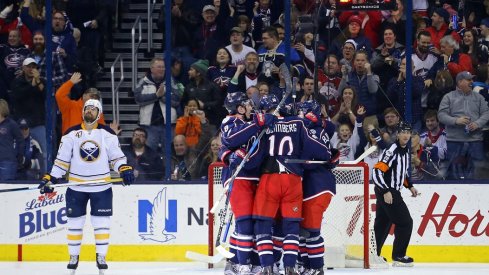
439	27
453	59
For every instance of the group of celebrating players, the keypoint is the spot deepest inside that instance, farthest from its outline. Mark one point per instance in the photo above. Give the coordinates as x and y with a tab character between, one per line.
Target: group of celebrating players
278	206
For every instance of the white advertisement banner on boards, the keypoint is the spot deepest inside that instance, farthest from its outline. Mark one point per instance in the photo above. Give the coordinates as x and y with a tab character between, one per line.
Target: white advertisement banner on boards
445	214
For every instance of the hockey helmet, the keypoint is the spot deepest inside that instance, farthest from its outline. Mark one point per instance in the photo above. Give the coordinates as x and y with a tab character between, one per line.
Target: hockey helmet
233	100
404	126
268	102
310	106
288	110
93	103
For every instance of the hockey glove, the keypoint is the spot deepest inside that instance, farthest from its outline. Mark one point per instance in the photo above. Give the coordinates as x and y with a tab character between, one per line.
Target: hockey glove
334	160
46	184
375	134
236	158
264	120
311	120
127	174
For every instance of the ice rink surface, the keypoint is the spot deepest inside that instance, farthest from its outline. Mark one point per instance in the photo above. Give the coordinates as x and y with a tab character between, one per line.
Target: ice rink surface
152	268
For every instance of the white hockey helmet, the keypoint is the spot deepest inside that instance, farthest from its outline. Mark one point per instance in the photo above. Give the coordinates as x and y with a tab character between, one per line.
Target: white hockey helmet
93	103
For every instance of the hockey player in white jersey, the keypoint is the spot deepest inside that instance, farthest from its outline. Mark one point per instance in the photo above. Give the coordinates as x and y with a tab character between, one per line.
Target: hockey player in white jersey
87	153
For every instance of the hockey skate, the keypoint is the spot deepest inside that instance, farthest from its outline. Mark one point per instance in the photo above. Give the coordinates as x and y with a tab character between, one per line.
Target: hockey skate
255	269
101	264
405	261
230	268
313	272
265	271
73	264
245	270
278	269
291	271
300	268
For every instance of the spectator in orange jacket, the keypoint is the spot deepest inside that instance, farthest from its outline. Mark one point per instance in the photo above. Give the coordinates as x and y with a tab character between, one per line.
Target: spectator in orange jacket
70	109
190	124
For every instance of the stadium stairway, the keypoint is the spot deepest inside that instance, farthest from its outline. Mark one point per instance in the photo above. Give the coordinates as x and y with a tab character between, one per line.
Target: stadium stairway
128	109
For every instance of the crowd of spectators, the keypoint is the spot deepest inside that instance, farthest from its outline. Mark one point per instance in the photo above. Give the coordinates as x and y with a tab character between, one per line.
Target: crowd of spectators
220	47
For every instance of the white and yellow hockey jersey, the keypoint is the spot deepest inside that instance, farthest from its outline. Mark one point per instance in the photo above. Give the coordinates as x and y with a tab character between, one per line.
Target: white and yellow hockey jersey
88	156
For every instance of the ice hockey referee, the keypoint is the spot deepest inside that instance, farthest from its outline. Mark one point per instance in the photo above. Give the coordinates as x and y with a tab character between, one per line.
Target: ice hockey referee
390	174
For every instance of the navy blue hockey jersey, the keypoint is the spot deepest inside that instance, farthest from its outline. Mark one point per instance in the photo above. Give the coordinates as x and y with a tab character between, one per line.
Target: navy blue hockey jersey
317	179
289	138
238	134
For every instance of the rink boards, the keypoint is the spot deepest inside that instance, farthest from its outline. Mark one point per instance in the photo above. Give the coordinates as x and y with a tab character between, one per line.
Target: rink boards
162	222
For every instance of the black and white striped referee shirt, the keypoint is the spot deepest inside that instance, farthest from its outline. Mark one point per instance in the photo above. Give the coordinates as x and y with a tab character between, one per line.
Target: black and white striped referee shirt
391	172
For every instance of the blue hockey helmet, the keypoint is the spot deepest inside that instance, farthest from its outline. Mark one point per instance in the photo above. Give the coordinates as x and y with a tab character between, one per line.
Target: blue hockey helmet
288	110
310	106
233	100
268	102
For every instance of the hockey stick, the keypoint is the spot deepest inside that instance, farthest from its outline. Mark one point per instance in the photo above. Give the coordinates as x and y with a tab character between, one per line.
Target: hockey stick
93	183
220	243
199	257
221	249
360	158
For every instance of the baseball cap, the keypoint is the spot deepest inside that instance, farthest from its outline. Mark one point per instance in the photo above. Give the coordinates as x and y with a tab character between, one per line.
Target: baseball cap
23	123
209	8
28	61
464	75
236	29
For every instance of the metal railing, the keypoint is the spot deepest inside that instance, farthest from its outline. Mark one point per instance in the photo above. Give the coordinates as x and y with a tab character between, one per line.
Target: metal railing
115	89
116	23
134	51
151	8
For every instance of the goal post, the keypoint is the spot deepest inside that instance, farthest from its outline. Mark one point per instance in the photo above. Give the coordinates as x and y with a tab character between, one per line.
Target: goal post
347	226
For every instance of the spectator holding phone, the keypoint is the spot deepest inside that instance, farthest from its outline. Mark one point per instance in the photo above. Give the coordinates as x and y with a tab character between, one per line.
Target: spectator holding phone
190	124
439	28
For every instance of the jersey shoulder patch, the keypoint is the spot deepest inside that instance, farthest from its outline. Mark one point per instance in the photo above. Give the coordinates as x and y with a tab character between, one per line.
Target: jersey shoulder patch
73	128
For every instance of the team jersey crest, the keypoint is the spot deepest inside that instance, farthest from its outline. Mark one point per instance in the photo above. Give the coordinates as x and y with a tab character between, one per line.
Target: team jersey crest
89	151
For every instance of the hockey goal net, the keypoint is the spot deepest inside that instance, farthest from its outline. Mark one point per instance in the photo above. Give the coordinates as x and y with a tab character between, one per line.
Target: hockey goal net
347	226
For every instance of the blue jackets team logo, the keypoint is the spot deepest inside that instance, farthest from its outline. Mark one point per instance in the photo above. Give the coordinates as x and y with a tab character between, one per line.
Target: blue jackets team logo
89	151
159	219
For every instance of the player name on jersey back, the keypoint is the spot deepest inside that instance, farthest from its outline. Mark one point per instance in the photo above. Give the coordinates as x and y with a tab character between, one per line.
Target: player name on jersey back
283	128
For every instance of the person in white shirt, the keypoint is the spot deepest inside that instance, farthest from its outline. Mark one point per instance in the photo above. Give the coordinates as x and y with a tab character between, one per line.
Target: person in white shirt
237	49
87	152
